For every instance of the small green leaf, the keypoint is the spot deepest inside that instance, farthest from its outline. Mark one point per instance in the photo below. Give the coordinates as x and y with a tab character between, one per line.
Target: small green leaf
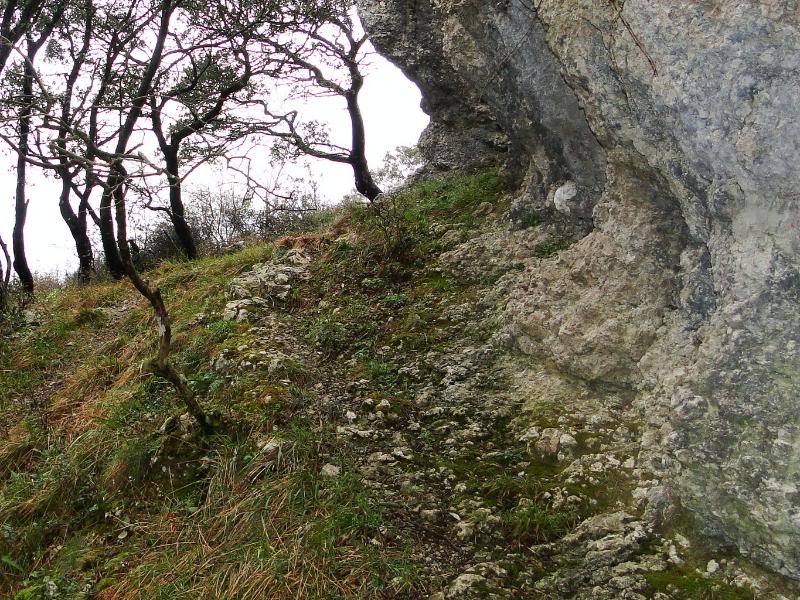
6	560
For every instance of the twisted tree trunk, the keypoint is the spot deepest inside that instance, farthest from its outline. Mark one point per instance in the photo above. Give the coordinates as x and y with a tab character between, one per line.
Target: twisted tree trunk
112	190
160	364
77	224
365	184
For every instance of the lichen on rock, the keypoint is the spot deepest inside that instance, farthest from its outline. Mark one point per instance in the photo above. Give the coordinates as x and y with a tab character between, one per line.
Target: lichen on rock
663	138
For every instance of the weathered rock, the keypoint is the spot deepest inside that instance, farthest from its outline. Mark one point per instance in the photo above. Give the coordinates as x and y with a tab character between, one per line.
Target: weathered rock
670	131
451	237
242	310
31	318
271	448
464	584
564	196
223	363
483	209
549	442
273	280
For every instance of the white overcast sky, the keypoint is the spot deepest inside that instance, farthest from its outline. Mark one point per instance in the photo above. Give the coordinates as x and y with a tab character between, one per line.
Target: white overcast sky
390	104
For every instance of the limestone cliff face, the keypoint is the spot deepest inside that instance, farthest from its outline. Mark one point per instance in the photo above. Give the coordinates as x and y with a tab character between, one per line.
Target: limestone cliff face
665	135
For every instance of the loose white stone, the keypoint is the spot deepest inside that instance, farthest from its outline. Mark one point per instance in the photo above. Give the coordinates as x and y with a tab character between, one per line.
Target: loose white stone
563	195
330	470
567	441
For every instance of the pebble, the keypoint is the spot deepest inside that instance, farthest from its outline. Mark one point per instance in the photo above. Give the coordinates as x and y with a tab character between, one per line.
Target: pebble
330	470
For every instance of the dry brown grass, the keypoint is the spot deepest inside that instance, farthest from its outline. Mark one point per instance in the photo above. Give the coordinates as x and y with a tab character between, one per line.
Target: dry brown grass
306	242
255	528
248	542
16	448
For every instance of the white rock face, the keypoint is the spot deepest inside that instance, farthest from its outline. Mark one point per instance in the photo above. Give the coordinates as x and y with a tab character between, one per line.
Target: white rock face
679	123
563	196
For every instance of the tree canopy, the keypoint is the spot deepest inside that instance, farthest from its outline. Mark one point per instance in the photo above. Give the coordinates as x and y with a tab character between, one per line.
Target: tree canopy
123	101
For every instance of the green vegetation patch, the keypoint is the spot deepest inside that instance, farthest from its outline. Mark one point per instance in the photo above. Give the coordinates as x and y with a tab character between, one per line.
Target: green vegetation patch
105	490
339	329
548	249
685	583
401	223
538	523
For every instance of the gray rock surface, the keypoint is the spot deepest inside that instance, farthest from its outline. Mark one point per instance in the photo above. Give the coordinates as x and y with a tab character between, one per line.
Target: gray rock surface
266	283
679	127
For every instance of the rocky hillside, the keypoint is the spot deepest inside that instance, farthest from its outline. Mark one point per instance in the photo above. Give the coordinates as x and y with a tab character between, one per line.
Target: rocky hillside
663	138
378	433
562	364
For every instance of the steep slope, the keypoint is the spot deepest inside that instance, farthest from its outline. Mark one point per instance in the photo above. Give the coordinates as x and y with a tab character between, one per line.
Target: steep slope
378	434
664	136
325	477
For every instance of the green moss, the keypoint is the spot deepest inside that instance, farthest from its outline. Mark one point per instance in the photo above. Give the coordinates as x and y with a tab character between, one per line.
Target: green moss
194	353
401	224
290	369
91	316
548	249
529	219
689	585
396	300
337	330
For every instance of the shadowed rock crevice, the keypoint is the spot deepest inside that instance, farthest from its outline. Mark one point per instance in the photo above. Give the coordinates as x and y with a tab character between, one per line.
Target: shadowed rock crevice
464	60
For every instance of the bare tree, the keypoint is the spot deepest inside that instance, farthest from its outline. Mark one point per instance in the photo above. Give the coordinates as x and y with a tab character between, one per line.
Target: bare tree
34	44
20	200
221	216
78	135
114	192
203	101
16	21
50	135
116	181
67	167
326	58
204	107
160	364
